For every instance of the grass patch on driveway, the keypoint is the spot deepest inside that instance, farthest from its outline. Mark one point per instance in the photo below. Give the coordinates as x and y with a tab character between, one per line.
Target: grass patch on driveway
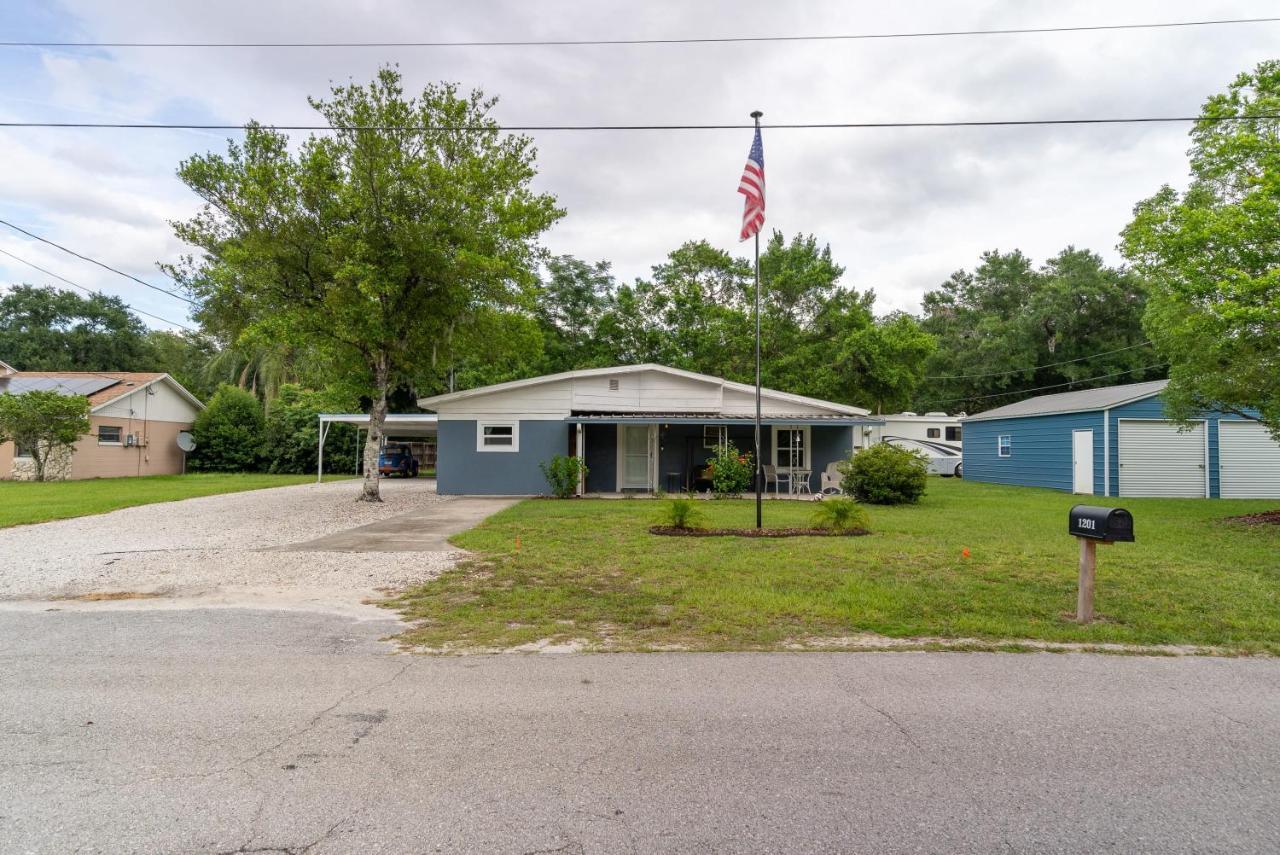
23	502
589	570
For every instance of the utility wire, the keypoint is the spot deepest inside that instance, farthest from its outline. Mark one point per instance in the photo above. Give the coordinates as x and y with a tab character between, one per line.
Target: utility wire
993	123
657	41
1042	388
91	291
99	263
1036	367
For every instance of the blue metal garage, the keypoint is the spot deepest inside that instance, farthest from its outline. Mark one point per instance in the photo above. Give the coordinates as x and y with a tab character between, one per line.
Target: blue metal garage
1118	441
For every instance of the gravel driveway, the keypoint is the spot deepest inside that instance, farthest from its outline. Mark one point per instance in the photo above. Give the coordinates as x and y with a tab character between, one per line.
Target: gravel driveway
215	542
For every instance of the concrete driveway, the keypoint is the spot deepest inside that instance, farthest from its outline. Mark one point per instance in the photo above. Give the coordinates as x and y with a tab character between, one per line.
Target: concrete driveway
255	731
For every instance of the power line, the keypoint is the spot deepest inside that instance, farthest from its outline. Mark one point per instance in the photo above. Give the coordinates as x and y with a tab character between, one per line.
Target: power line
992	123
99	263
1042	388
656	41
91	291
1036	367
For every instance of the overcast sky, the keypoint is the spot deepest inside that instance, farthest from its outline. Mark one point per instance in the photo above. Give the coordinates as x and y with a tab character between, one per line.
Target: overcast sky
901	208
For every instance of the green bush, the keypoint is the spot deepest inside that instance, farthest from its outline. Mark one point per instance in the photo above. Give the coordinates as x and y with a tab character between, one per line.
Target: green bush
292	431
228	433
885	475
562	474
682	513
731	471
840	514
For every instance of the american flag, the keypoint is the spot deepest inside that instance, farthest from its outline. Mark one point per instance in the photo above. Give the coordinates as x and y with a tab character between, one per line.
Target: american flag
752	186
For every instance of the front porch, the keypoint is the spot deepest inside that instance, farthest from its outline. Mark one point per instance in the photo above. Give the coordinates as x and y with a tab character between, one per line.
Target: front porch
628	454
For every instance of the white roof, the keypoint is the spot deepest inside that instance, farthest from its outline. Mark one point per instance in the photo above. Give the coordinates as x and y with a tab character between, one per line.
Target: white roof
1082	401
435	400
418	420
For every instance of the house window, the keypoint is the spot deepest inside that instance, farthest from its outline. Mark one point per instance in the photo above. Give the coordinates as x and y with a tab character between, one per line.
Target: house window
109	434
953	434
21	449
791	448
714	436
497	436
934	433
1004	445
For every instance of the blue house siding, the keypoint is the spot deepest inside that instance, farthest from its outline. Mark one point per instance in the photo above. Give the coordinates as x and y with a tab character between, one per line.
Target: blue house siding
461	470
1040	450
830	444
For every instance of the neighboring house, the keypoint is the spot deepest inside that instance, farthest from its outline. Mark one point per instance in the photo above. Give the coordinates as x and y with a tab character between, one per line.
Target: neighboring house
638	428
1117	441
134	421
931	427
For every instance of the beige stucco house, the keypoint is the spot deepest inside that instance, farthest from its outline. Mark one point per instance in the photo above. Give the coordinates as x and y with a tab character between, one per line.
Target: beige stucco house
134	421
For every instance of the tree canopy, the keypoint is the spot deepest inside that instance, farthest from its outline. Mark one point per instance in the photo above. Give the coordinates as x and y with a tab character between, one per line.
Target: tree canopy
1211	258
47	329
43	424
410	221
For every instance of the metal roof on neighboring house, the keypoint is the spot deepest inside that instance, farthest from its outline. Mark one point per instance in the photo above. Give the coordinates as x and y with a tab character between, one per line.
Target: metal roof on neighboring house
1082	401
100	387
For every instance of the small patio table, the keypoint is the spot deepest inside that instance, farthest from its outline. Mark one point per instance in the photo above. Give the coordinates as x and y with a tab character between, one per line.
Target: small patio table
800	481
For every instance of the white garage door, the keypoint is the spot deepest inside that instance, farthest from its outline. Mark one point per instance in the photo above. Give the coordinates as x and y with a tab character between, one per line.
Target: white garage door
1248	461
1156	459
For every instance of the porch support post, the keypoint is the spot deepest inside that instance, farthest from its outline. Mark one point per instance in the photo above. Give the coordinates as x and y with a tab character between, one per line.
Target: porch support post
324	428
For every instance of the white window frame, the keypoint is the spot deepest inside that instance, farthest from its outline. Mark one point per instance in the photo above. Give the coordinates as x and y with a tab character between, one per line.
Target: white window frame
722	436
489	449
119	441
1004	449
807	463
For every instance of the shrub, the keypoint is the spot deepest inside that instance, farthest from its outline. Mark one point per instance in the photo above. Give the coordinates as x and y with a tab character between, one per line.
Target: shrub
228	433
885	475
562	474
840	514
731	471
292	431
682	513
45	424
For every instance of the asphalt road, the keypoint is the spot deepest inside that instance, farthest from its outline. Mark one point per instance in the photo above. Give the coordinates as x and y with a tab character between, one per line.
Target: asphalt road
256	731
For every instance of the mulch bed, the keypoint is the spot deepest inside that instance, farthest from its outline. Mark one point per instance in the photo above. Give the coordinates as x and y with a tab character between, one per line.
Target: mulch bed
1264	518
672	531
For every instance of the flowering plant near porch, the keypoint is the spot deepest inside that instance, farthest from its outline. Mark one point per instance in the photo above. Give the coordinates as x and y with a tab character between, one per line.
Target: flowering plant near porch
731	471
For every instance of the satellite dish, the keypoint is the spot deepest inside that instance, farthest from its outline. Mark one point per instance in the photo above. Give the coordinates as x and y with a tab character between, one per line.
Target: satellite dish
185	441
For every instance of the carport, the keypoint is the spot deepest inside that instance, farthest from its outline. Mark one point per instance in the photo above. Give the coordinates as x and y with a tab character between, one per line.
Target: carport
401	426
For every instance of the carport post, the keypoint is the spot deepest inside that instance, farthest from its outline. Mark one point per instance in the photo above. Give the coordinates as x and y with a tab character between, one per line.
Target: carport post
324	429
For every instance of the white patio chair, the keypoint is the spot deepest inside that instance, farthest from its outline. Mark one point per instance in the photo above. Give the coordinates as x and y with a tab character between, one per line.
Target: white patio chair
774	477
831	478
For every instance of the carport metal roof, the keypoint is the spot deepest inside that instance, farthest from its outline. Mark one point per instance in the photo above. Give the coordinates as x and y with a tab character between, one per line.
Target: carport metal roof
396	424
686	418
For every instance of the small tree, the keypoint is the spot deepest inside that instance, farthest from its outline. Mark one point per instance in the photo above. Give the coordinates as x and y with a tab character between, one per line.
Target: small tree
885	475
44	423
562	474
228	433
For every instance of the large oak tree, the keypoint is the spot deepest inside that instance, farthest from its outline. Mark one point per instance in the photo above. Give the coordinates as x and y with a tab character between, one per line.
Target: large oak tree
368	245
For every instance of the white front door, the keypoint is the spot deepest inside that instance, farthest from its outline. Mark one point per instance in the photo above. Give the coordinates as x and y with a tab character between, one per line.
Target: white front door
633	450
1082	461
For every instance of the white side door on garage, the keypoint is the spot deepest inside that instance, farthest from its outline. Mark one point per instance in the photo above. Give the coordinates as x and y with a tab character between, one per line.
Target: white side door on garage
1156	459
1248	461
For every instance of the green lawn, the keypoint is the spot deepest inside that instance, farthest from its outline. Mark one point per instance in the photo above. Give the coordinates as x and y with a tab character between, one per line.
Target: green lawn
589	569
23	502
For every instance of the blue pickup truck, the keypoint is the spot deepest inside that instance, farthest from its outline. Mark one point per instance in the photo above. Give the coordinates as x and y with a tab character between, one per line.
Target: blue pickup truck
397	460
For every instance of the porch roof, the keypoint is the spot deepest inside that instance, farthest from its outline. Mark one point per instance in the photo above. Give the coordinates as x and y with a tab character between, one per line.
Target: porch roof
686	418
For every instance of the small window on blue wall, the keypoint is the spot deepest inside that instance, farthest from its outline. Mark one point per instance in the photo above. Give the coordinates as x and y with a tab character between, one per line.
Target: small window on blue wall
1004	444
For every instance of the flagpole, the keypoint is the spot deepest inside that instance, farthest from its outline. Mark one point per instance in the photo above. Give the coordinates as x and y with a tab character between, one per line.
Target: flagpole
759	462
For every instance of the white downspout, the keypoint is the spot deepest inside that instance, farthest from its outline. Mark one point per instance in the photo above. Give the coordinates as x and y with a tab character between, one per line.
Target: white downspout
1106	452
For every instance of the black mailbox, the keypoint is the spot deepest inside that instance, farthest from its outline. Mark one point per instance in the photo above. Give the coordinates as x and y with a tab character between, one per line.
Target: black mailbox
1095	523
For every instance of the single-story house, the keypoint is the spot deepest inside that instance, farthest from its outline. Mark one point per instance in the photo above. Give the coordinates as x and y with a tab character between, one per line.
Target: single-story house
638	428
1118	441
134	421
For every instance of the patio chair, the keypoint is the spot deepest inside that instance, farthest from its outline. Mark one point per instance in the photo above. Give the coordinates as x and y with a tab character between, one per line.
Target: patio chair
774	477
831	478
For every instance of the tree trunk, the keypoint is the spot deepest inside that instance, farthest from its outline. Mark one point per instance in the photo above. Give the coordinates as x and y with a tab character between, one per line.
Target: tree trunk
373	443
39	459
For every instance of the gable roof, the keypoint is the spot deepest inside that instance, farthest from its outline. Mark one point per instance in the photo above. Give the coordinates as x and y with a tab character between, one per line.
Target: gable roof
125	383
1080	401
6	368
434	400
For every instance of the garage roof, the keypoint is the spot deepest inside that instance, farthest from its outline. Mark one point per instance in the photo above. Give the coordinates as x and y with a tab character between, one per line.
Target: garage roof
1082	401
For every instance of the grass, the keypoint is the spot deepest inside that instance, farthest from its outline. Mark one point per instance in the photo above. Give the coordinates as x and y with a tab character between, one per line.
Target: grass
589	570
23	502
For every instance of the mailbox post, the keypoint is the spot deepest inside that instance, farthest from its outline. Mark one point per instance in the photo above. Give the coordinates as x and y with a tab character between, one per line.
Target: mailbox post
1092	525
